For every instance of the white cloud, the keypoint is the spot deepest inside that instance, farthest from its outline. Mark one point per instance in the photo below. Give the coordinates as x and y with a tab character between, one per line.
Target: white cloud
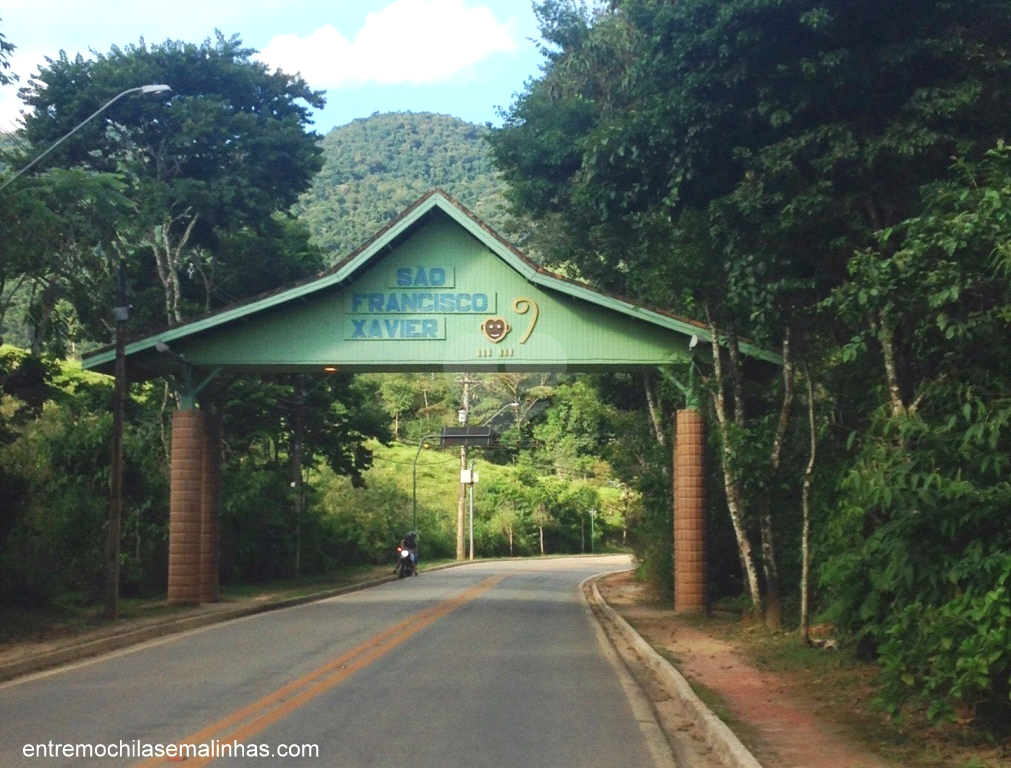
408	41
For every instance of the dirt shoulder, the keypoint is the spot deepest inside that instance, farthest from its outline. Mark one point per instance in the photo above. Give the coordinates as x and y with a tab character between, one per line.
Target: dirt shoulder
793	706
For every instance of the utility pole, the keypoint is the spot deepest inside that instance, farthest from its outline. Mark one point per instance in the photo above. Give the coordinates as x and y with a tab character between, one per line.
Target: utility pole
461	507
112	534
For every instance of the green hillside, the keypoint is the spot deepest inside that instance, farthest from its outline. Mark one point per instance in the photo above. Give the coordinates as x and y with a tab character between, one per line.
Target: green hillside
509	502
377	166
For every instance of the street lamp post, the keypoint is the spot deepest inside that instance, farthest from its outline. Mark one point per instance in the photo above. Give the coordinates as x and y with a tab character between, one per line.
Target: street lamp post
120	312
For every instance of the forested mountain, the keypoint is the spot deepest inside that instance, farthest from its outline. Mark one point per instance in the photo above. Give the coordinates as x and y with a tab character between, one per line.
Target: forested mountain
377	166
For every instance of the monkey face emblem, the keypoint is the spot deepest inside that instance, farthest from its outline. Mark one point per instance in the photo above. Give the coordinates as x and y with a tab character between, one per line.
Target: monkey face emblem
495	329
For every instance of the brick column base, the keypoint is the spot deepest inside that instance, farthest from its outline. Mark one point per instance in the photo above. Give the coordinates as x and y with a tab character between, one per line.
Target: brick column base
689	514
185	496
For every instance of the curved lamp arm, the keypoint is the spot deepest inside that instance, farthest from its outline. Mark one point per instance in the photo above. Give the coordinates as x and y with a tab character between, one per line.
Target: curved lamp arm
157	88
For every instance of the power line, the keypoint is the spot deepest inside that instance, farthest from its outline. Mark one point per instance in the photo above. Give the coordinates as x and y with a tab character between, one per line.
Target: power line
14	139
410	463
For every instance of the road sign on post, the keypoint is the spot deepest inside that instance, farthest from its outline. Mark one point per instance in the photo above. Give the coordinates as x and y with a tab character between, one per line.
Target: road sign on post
480	437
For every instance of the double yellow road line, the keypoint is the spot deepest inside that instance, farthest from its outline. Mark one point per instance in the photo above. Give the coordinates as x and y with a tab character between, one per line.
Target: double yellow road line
241	725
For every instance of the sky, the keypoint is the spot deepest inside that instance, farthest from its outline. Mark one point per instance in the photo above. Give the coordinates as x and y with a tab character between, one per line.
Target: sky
466	58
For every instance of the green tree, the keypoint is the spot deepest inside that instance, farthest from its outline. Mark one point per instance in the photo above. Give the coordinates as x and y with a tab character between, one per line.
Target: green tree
6	49
339	414
918	549
279	432
627	133
573	430
227	153
59	238
398	395
510	501
724	161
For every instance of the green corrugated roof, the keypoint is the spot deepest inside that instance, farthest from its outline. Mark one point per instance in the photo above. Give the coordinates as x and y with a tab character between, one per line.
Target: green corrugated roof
145	358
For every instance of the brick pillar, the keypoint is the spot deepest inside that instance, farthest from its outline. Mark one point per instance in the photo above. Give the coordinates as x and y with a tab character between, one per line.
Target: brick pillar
184	506
210	495
689	514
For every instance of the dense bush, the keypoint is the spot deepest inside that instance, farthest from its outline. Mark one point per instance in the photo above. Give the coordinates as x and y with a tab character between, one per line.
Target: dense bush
56	489
918	550
923	556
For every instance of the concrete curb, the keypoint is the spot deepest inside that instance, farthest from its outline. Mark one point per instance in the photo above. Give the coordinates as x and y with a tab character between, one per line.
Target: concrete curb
719	737
216	614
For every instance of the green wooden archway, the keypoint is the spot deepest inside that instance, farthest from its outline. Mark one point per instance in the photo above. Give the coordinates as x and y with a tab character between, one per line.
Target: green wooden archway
436	290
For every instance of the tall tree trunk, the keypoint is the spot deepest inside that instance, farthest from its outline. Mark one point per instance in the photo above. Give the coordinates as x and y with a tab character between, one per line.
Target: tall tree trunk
169	259
885	333
736	377
44	313
5	304
655	409
805	505
773	597
731	482
206	276
163	420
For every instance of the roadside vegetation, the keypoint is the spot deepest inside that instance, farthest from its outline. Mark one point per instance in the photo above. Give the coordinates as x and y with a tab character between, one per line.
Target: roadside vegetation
843	689
827	180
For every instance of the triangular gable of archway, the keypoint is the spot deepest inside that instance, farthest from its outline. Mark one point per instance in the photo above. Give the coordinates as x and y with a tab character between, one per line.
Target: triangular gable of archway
436	290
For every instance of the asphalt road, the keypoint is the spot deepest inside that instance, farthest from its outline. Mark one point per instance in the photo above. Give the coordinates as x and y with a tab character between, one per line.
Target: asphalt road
494	664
